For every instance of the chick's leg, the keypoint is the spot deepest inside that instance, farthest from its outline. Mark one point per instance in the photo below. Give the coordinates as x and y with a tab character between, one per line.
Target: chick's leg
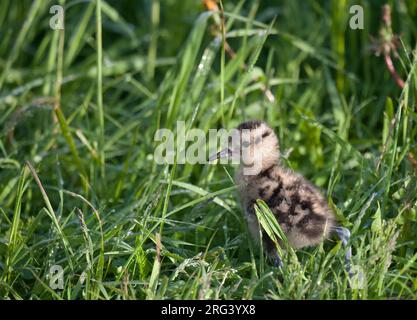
272	252
344	236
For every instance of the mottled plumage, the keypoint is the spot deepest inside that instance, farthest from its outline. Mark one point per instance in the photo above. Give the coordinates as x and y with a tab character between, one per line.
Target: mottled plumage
299	207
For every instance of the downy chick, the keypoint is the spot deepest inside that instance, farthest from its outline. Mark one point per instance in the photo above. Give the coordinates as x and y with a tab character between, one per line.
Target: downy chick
300	209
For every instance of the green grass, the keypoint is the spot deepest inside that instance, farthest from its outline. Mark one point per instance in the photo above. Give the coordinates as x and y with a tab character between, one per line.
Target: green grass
79	109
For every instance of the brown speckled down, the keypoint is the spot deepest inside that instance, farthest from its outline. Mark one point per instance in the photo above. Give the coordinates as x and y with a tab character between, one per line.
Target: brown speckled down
300	209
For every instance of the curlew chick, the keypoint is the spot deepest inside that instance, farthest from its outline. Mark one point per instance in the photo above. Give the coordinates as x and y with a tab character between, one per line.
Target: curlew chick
300	209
